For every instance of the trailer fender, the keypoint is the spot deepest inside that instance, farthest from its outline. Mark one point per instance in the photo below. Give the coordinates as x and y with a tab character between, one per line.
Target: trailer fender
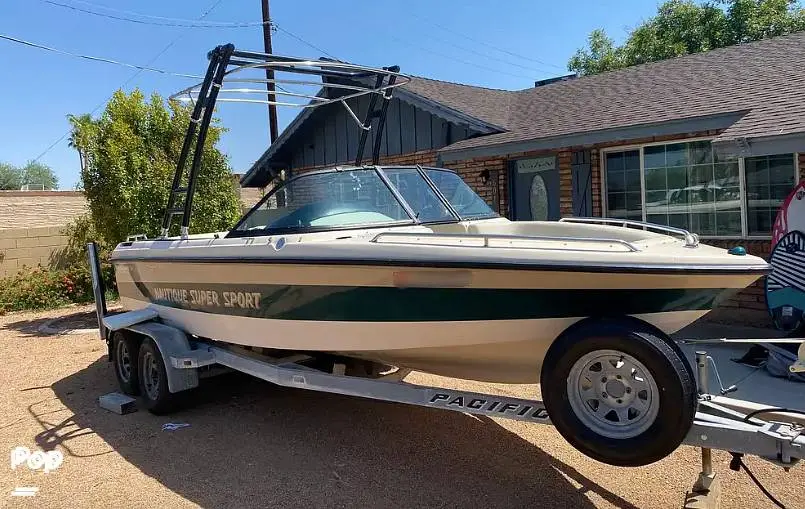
172	343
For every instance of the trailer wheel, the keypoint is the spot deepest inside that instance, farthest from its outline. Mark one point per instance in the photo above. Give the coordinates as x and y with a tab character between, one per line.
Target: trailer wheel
619	391
154	380
125	349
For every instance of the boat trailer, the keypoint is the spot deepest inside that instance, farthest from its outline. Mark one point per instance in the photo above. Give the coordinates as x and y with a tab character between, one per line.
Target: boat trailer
720	423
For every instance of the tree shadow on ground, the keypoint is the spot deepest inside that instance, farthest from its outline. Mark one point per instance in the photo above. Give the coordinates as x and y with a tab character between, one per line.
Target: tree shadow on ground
82	318
251	443
28	327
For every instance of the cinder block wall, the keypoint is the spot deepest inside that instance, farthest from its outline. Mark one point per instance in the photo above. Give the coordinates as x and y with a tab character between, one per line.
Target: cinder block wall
21	247
32	226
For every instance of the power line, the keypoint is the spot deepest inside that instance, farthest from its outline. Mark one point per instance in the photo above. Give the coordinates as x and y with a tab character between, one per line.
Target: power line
98	59
291	34
486	55
129	80
484	43
456	59
158	20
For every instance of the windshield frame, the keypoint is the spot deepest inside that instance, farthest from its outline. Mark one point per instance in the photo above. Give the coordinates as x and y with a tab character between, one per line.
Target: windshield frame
424	172
234	232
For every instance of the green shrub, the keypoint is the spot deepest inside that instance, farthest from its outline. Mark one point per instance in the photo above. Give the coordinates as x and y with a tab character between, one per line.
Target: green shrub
128	158
79	233
41	288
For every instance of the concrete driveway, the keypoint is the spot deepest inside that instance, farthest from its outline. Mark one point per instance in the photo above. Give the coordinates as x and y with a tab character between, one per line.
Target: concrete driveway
251	444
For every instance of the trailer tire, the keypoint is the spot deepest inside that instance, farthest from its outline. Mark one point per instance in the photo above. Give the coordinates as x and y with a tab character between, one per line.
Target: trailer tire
125	352
619	390
154	380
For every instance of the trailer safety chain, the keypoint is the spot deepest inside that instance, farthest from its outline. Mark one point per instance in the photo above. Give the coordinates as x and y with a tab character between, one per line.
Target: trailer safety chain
737	463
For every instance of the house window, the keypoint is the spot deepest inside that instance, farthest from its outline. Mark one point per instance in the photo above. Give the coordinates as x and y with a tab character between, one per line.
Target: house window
689	185
624	196
769	180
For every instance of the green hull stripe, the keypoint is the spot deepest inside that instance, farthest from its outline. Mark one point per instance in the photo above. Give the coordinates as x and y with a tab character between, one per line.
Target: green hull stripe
390	304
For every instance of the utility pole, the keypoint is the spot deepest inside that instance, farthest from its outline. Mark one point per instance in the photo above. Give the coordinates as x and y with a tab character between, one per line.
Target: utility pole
272	108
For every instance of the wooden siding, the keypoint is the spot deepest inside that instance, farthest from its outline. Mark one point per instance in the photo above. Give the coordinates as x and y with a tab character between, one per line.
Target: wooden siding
330	135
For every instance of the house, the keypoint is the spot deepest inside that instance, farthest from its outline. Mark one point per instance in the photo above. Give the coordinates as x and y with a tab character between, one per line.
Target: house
711	142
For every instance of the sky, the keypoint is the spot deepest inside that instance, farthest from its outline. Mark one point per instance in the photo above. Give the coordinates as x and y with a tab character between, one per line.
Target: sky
503	44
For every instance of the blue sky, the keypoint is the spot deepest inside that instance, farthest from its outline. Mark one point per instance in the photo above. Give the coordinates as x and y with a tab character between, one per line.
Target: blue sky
427	38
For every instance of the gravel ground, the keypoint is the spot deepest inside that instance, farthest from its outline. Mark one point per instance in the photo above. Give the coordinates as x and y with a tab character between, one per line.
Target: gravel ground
251	444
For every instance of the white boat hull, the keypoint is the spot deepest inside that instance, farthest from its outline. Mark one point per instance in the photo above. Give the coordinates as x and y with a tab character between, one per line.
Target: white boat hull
283	306
504	351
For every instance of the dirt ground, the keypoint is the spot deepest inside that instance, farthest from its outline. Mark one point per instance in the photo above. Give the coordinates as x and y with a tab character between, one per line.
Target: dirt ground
251	444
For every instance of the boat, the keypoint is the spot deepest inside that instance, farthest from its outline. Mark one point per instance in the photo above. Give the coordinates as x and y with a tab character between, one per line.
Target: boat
373	271
409	267
404	265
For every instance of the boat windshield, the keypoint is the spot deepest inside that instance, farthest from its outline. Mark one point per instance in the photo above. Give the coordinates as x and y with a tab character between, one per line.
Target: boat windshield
462	198
323	201
426	204
364	197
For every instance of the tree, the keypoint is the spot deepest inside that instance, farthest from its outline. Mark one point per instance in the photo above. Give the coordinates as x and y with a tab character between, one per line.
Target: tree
10	177
681	27
128	158
36	175
602	55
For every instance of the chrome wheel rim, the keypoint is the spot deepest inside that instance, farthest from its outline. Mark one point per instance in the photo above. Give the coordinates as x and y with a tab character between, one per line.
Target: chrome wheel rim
613	394
123	361
150	376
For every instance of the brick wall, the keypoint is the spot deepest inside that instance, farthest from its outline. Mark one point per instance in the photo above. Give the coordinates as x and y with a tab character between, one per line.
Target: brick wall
495	190
802	166
423	157
21	247
748	307
595	170
470	170
565	183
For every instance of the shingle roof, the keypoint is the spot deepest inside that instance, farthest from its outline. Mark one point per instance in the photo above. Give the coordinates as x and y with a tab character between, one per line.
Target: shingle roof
486	104
764	81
